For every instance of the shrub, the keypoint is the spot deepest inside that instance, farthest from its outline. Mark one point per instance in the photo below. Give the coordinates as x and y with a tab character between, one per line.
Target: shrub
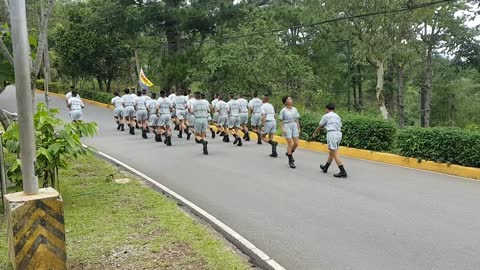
362	132
55	143
102	97
53	87
446	145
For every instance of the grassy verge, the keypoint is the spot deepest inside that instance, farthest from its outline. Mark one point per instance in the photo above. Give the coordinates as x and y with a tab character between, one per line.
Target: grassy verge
130	226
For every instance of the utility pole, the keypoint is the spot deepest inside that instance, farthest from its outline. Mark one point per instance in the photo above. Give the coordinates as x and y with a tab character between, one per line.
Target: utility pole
33	210
22	60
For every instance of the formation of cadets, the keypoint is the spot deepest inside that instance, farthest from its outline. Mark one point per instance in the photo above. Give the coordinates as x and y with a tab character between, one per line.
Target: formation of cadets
192	114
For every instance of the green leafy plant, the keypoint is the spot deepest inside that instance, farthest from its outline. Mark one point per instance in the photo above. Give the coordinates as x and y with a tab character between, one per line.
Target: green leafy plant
446	145
56	142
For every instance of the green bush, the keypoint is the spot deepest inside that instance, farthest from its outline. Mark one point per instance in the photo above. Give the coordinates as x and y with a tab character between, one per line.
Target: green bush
362	132
102	97
446	145
53	87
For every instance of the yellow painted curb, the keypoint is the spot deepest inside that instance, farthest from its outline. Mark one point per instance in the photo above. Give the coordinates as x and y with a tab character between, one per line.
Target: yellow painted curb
413	163
87	101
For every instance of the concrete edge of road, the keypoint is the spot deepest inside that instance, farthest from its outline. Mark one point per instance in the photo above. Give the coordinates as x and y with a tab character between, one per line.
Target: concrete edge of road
468	173
257	256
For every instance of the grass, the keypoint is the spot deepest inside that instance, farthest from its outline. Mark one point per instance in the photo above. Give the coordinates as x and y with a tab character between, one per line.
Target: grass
130	226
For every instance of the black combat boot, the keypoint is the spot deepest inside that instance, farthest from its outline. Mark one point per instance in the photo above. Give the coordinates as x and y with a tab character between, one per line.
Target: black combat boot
291	162
325	167
342	173
274	149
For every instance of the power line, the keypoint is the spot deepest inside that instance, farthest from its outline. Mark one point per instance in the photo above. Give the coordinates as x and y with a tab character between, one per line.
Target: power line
268	31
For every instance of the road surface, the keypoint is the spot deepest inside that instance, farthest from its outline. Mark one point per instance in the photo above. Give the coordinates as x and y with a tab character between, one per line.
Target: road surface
381	217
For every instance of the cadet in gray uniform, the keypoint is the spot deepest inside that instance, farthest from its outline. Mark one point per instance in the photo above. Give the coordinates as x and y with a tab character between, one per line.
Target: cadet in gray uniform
142	115
180	105
269	125
234	119
75	105
153	118
191	116
333	124
243	103
215	113
129	111
222	108
290	124
165	108
117	102
200	108
203	97
254	105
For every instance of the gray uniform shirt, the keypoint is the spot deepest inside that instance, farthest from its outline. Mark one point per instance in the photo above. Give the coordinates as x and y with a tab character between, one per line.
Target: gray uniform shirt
289	116
331	122
140	103
269	112
180	102
255	105
234	107
200	108
222	107
164	105
243	103
128	100
75	103
152	106
117	102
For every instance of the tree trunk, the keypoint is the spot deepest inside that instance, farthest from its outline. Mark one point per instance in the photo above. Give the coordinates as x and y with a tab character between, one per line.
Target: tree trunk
100	84
451	110
46	73
171	26
401	95
426	89
360	88
379	89
109	85
4	120
390	95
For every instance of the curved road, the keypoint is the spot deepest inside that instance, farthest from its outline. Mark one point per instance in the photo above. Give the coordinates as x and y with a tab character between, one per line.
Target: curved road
381	217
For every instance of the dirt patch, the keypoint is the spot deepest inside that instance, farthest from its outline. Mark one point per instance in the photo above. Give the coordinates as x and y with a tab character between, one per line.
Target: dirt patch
178	256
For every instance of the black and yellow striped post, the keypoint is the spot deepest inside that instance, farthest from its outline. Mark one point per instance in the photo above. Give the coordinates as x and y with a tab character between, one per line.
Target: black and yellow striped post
36	230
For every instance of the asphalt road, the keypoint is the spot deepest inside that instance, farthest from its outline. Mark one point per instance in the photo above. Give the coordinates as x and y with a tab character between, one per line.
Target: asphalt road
381	217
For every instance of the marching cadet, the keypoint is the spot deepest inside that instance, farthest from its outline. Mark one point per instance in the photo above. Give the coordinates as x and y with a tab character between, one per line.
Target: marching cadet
69	94
243	103
75	105
141	114
255	105
200	108
222	108
129	110
203	97
269	125
215	113
153	119
234	119
117	102
180	105
333	124
165	108
290	124
191	115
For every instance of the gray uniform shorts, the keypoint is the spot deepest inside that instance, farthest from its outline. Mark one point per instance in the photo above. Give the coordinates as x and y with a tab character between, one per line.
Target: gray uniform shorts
142	115
215	117
256	120
164	120
243	118
291	130
201	125
153	120
76	115
234	122
223	120
181	114
191	119
118	112
129	111
333	139
270	127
